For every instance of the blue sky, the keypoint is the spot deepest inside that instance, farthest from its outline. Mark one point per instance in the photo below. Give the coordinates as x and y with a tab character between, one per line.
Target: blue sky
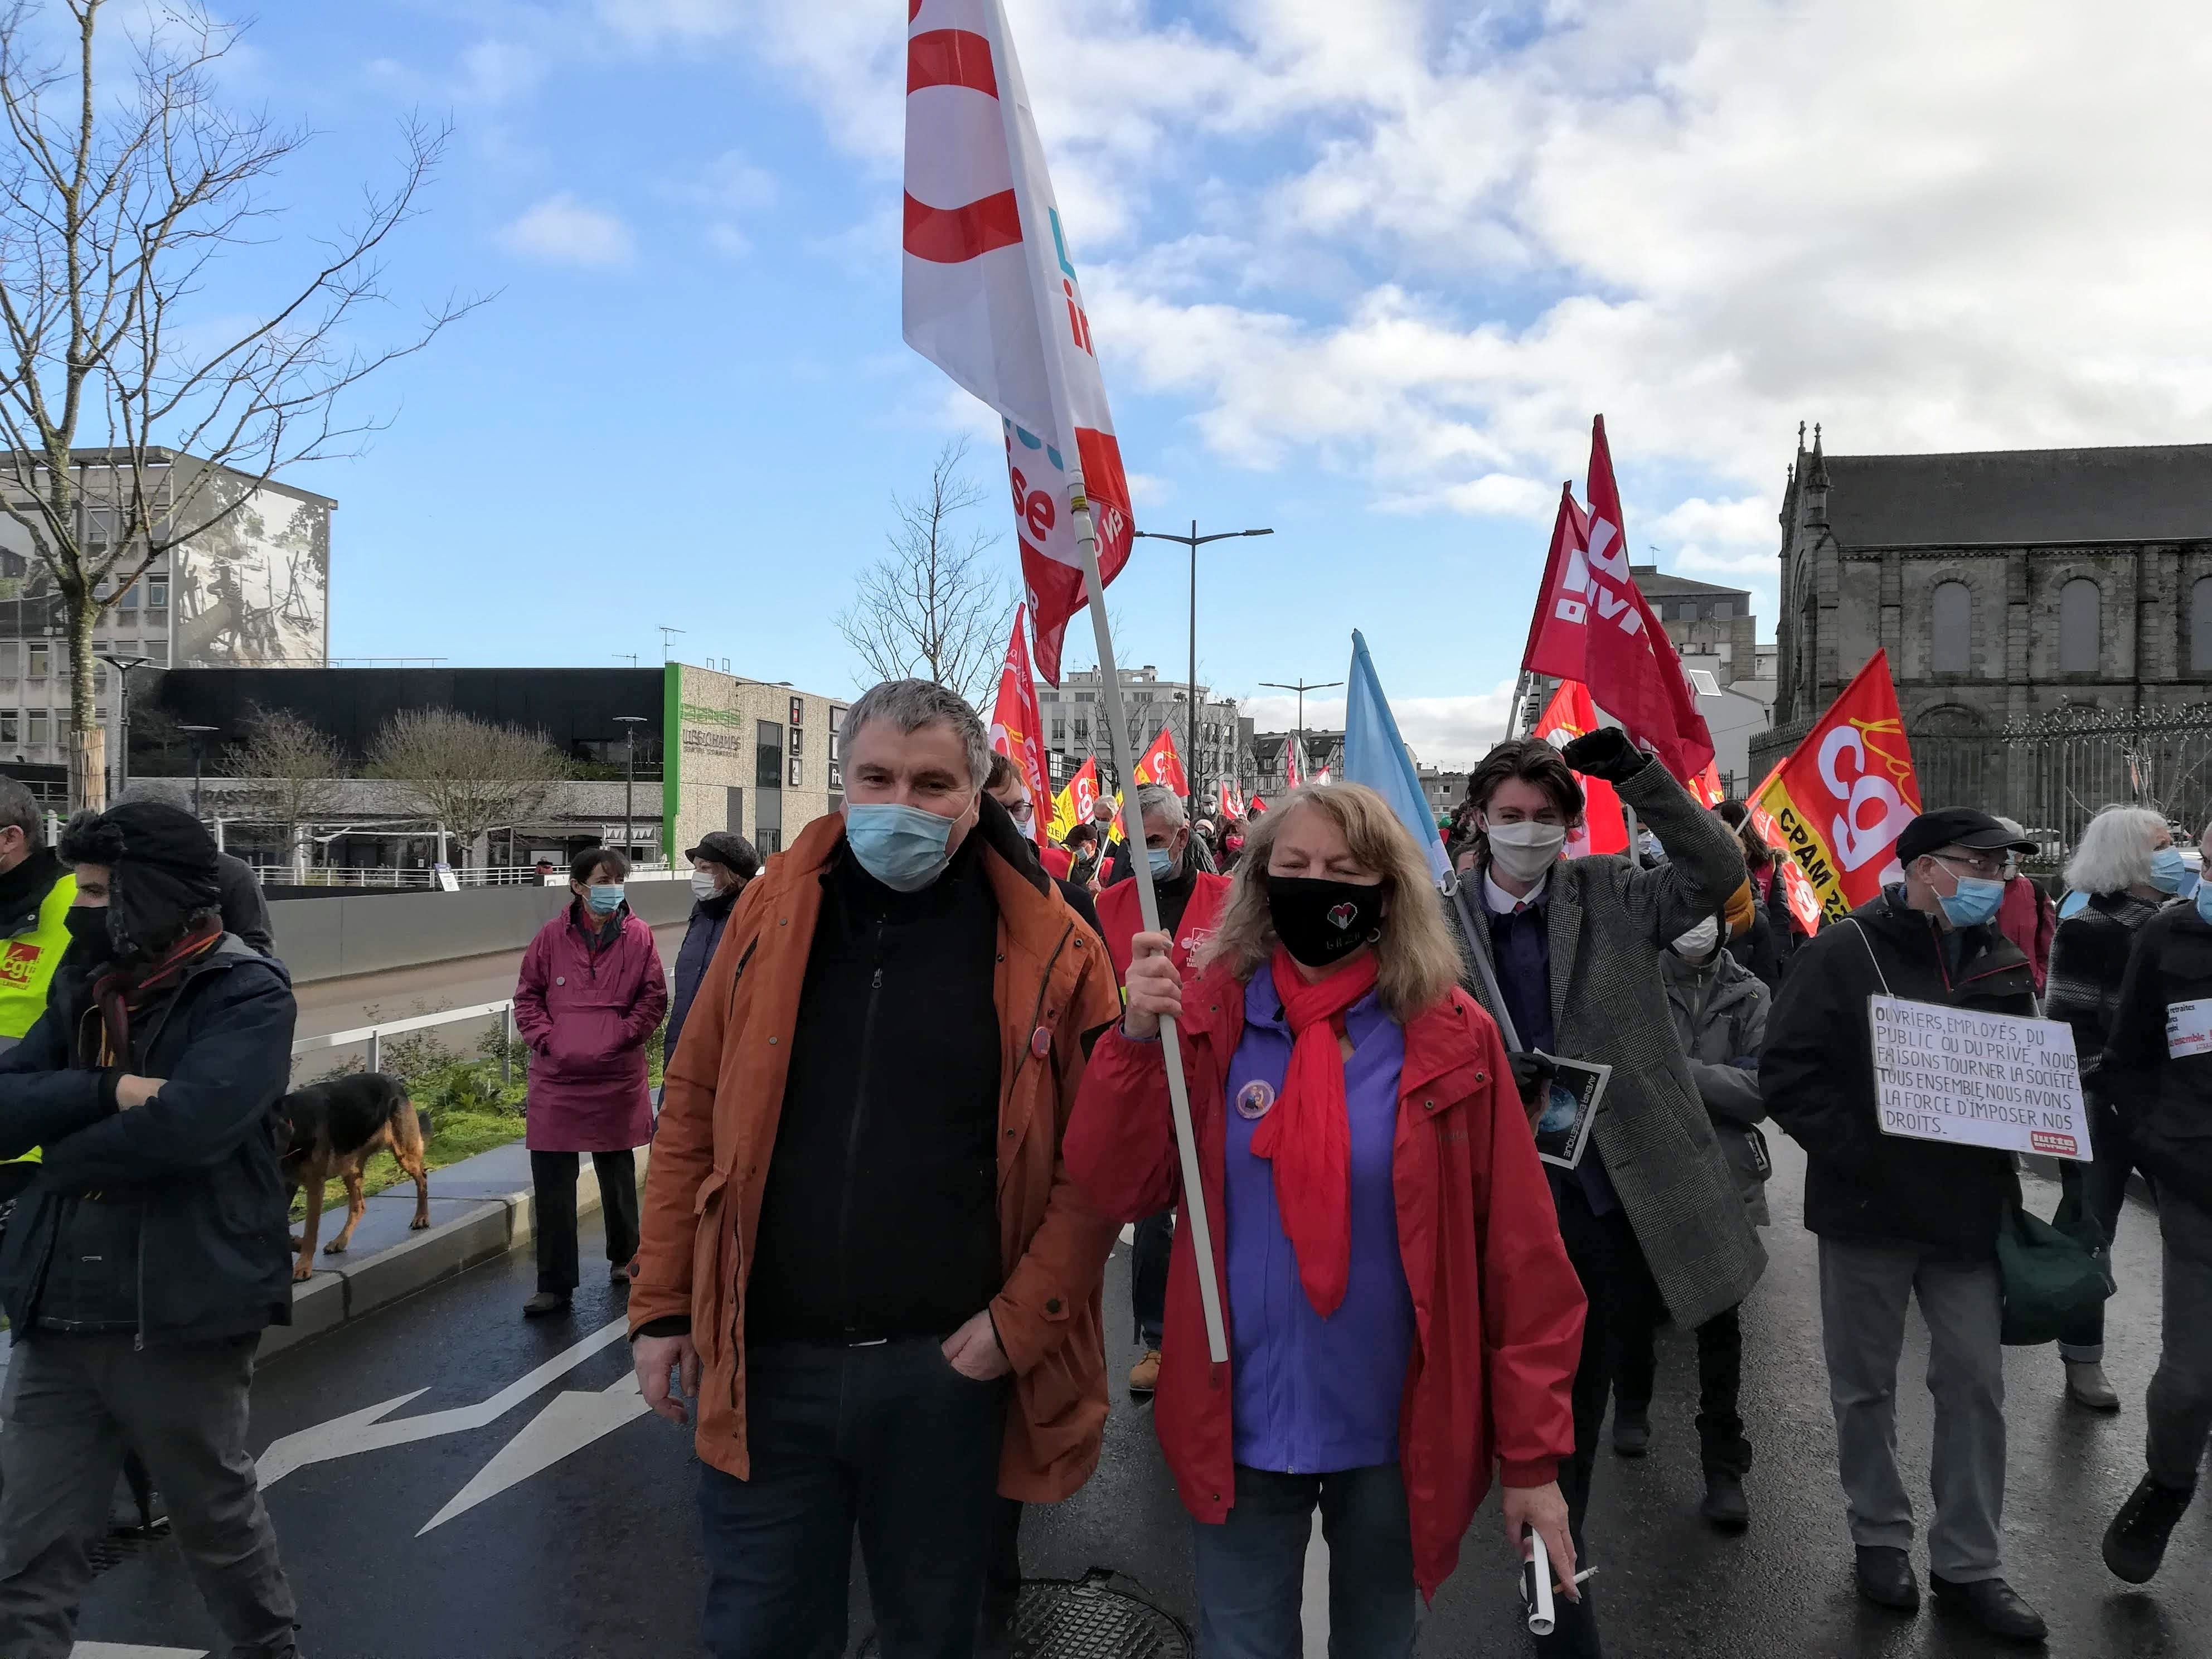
1361	273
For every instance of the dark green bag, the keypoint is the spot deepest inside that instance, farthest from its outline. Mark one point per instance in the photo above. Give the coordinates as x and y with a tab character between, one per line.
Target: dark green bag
2054	1272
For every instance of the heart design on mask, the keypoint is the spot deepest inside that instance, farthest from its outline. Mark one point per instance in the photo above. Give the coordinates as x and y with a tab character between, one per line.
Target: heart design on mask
1344	915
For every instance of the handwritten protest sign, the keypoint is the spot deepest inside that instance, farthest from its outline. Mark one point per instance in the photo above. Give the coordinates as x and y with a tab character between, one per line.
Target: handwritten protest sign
1978	1079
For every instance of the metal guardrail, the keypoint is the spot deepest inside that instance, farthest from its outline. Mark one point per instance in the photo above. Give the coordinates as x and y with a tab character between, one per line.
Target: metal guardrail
374	1035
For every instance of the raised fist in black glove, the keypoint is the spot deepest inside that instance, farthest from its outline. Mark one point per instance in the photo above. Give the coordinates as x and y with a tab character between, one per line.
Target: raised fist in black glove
1532	1076
1606	754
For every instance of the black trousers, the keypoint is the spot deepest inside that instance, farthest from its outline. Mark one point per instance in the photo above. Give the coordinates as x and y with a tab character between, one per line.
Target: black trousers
1721	1442
553	1175
1148	1276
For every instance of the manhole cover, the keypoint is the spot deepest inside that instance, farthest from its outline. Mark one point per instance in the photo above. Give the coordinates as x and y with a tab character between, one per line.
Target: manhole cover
1085	1620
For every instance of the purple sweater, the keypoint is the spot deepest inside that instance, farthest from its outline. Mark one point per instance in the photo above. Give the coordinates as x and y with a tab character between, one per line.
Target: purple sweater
1312	1395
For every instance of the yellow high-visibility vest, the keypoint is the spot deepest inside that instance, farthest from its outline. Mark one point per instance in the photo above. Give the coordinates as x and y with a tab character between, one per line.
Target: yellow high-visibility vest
27	969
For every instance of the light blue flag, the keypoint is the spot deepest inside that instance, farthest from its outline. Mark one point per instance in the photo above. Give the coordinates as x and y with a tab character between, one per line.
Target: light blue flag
1375	756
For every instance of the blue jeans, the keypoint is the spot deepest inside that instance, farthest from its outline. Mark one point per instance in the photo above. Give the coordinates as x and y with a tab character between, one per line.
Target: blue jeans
888	1439
1251	1568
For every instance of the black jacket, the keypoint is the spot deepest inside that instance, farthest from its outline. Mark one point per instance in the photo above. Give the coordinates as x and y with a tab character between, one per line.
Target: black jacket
1816	1074
2164	1101
694	955
199	1161
244	906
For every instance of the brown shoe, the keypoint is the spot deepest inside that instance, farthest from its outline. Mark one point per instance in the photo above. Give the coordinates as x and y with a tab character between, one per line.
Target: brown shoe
1144	1375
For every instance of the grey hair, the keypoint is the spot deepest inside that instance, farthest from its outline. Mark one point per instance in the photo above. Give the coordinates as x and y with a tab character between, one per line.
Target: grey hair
910	705
1157	800
2114	852
20	809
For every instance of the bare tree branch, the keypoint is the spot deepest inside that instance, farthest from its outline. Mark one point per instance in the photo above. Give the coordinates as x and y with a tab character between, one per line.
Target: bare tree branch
126	437
291	767
935	606
469	775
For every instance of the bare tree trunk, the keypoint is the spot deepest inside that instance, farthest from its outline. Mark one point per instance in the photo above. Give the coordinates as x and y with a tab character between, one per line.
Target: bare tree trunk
88	741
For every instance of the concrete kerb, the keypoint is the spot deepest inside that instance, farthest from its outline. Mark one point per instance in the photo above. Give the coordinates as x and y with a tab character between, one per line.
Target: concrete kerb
500	1215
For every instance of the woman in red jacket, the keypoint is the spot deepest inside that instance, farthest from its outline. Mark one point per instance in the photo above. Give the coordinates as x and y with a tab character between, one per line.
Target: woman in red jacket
1403	1322
591	994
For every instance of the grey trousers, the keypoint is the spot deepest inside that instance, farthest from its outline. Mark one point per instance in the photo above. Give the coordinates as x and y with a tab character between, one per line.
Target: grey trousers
69	1404
1864	1289
2180	1403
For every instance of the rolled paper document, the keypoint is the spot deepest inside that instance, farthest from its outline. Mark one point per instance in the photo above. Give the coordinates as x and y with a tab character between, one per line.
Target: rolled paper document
1536	1585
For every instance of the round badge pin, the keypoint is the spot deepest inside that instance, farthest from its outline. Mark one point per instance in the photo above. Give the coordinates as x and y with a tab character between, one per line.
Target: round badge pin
1254	1099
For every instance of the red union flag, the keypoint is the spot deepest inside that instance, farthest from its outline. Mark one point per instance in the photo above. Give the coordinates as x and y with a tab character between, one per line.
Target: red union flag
991	297
1569	715
1016	728
1161	764
1592	624
1838	804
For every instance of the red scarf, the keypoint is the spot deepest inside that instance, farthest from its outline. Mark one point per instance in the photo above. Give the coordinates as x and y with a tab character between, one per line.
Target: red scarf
1308	1135
121	992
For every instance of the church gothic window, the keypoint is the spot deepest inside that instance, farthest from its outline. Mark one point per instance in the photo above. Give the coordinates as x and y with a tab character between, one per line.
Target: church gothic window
1952	628
2200	625
2080	604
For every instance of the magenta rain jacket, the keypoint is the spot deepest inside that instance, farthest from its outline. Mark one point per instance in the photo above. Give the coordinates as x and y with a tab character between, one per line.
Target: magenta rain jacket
587	1016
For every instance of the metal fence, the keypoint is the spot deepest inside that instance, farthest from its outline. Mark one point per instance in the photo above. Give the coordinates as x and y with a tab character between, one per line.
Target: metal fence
371	1037
2053	773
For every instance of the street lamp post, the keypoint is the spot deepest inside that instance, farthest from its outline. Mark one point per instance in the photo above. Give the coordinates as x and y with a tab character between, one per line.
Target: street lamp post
1301	687
629	724
195	733
1193	542
123	666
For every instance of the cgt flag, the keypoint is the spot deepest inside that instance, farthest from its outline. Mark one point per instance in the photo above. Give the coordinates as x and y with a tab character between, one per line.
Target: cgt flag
990	296
1073	805
1838	804
1161	764
1592	624
1017	727
1569	715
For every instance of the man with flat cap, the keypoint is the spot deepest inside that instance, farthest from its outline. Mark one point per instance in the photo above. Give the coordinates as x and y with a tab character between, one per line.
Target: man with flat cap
1899	1218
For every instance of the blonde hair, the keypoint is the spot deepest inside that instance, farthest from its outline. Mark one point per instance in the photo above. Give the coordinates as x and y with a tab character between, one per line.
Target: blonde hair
1418	962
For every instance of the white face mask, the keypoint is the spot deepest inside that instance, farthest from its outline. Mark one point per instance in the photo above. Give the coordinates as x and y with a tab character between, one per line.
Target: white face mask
1525	851
1699	942
703	883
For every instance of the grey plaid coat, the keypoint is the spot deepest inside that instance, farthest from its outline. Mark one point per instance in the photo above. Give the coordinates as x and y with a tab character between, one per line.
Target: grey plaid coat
1607	922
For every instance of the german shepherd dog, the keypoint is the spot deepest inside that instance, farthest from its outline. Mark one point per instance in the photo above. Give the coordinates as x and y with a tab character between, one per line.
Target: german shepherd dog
333	1128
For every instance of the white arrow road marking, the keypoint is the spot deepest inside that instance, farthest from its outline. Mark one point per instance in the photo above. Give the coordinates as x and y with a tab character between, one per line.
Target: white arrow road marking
570	1422
126	1650
361	1432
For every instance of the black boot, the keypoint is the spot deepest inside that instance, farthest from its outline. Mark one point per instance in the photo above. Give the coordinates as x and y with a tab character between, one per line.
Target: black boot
1632	1430
2135	1543
1885	1577
1994	1605
1724	1504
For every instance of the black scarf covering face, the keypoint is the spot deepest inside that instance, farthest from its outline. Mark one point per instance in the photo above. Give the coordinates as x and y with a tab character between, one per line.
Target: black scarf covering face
162	865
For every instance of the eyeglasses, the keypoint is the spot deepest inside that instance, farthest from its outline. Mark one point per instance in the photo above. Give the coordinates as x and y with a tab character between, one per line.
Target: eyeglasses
1987	868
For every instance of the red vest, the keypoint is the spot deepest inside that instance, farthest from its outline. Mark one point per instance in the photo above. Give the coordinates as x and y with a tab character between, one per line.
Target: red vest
1118	919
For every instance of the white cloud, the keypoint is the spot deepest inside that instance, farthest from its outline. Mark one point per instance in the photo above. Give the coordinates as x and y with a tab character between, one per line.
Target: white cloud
1453	732
723	193
562	230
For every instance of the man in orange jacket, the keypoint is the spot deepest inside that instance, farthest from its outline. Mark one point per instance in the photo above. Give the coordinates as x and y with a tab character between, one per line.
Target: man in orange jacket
861	1253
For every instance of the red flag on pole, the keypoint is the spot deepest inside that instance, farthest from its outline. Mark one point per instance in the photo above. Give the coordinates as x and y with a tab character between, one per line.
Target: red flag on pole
1161	764
1016	728
1838	804
1569	715
1593	625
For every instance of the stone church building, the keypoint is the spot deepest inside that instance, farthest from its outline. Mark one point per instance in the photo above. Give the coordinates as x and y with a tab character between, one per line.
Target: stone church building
2007	586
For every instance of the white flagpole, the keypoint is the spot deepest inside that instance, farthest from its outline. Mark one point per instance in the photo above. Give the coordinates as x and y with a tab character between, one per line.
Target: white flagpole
1148	907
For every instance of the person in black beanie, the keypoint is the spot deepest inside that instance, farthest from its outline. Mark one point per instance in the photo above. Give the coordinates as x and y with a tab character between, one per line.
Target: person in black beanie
150	1250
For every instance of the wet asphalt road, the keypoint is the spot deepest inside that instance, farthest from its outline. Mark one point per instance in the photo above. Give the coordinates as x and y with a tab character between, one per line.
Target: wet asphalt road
596	1552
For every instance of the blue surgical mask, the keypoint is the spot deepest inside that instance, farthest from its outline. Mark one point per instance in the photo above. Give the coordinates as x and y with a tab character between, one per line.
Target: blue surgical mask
1974	902
2204	900
1164	862
2170	873
902	847
604	897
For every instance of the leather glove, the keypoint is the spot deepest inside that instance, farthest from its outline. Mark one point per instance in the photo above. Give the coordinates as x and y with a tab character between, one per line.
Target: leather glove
1606	754
1532	1076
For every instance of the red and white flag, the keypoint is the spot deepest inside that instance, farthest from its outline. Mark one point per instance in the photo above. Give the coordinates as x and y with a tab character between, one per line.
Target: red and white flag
1592	624
1017	729
1161	764
1232	801
1293	760
1569	715
991	297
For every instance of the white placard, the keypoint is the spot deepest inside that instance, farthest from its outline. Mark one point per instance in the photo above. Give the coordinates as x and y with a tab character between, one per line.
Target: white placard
1978	1079
2188	1028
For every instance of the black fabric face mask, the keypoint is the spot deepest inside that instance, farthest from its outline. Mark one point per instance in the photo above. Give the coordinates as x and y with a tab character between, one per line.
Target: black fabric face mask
87	932
1322	921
